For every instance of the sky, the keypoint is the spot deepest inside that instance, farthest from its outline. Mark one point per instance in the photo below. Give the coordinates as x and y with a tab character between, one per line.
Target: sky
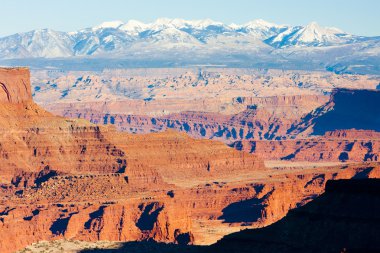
360	17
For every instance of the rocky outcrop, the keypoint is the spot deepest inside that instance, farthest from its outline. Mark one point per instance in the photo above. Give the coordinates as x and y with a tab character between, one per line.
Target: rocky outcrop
34	144
128	221
176	158
335	146
39	140
15	85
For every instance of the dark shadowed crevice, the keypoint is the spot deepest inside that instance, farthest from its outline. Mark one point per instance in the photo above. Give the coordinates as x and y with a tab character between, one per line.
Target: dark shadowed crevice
149	217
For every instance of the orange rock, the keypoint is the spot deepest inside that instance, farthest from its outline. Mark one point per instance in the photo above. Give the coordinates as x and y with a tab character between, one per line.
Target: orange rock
71	179
15	85
336	146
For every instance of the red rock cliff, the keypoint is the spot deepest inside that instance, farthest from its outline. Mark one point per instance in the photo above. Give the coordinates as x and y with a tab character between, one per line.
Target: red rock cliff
15	85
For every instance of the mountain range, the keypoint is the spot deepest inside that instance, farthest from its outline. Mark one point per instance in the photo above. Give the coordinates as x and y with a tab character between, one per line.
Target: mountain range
178	42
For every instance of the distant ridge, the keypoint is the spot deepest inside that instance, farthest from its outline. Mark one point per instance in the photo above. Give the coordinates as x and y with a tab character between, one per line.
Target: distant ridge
179	42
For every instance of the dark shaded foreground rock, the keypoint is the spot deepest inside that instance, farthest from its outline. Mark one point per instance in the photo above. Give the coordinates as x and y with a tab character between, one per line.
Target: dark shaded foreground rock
345	217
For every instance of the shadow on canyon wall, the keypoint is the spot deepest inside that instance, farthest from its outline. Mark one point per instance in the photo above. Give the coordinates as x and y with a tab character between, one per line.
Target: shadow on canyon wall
346	218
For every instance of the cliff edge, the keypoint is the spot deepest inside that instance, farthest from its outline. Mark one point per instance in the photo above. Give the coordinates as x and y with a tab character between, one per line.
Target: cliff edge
15	85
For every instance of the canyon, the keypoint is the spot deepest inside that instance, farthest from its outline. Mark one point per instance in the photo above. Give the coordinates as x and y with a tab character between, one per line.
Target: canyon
177	180
308	117
162	91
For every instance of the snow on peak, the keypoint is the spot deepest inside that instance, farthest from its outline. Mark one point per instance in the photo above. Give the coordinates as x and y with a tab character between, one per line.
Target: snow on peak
259	28
133	26
203	23
109	24
117	36
313	32
335	30
310	35
134	23
260	23
313	25
234	26
171	35
162	23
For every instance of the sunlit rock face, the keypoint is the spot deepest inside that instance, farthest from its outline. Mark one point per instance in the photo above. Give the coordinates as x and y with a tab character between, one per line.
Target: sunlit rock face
15	85
70	179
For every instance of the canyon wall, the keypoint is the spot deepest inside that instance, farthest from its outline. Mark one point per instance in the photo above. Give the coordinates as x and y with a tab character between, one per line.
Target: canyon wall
15	85
262	118
341	145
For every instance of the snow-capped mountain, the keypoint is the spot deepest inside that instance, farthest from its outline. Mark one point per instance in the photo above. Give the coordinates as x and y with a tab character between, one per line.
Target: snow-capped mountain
262	29
117	37
37	43
312	35
196	42
134	27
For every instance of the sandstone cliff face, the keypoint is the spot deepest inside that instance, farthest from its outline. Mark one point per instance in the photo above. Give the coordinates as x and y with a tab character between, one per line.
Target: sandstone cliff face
263	118
126	221
40	140
15	85
336	146
33	140
177	158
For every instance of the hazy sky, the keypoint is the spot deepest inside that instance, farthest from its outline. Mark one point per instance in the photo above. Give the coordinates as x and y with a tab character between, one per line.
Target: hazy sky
360	17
